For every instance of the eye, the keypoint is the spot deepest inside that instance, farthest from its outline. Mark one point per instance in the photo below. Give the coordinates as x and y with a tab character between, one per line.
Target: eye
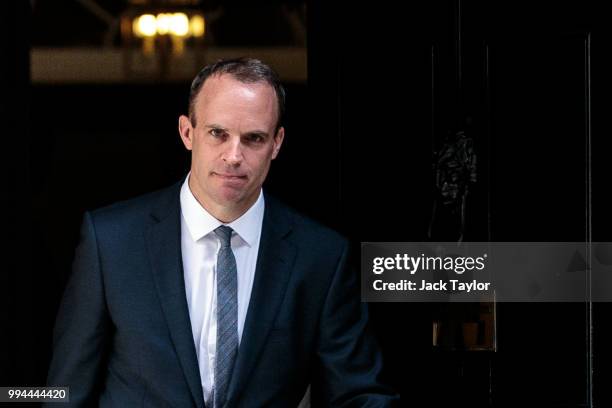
216	133
255	138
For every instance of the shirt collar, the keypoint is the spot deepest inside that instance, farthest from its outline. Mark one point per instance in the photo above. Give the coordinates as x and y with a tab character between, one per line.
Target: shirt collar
201	223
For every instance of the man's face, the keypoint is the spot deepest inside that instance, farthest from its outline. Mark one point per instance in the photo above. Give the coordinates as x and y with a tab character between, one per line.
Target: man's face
232	144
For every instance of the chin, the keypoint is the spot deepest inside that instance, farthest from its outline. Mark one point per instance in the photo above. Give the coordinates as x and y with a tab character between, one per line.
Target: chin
229	197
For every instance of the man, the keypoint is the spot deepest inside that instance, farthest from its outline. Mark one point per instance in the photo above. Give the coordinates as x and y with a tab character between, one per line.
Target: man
211	293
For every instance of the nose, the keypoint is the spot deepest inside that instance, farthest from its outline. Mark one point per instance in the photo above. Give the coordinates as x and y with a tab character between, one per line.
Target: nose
232	156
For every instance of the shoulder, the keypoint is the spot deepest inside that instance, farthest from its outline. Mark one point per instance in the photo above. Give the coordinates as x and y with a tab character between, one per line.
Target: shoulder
139	210
304	229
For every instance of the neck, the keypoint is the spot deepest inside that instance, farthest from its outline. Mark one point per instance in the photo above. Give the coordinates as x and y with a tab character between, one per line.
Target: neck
223	213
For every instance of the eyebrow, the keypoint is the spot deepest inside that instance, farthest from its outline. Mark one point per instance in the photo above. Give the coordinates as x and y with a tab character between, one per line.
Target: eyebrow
257	133
261	133
215	126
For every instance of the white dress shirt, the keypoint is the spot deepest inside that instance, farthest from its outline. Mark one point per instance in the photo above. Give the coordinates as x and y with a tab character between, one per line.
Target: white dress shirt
200	245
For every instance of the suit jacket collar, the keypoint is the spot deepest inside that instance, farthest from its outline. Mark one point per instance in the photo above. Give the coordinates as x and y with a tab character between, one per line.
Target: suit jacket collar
164	245
274	264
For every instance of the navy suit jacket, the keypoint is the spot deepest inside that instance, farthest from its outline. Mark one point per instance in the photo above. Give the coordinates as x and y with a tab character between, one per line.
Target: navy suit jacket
123	336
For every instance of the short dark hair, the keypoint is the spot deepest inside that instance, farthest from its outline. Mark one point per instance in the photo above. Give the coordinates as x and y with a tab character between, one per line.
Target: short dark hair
245	70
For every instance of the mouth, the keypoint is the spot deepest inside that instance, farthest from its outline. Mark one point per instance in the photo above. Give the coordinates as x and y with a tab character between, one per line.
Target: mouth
230	177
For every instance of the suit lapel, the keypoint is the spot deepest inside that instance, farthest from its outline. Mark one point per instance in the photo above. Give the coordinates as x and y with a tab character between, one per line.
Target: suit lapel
164	245
274	264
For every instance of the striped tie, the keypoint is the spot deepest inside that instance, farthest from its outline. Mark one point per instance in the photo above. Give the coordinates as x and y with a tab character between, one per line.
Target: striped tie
227	316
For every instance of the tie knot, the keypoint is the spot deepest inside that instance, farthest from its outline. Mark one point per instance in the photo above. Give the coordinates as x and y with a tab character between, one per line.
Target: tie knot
225	235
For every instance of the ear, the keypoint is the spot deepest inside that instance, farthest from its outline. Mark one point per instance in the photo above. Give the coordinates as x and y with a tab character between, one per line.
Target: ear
278	141
186	131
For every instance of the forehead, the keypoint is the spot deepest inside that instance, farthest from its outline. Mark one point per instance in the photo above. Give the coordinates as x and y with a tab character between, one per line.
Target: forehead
224	94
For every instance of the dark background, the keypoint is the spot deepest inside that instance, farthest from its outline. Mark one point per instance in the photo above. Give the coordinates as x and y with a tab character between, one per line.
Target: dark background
386	84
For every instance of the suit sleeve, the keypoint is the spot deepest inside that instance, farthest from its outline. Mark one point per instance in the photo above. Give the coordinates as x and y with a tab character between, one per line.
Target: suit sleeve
82	328
349	361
